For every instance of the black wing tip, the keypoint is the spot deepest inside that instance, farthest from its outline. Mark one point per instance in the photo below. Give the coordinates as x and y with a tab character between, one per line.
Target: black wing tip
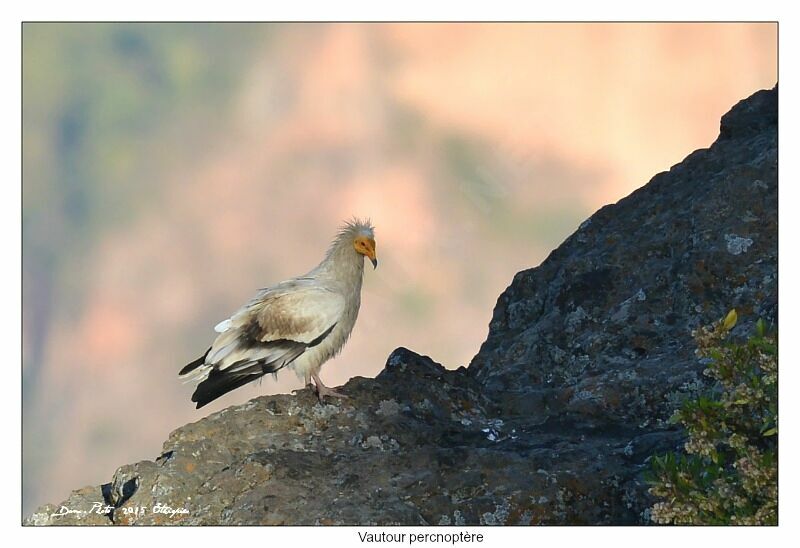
218	383
195	364
203	395
207	392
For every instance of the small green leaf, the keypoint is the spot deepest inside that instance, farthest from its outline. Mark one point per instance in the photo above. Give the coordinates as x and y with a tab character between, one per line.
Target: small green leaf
730	320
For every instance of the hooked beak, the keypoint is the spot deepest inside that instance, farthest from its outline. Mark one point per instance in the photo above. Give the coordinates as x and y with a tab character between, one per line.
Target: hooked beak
370	254
366	246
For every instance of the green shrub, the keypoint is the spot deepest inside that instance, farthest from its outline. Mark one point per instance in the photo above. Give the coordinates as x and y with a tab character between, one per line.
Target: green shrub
729	472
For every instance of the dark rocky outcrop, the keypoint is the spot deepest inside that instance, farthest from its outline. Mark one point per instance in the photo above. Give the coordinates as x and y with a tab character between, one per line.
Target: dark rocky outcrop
555	418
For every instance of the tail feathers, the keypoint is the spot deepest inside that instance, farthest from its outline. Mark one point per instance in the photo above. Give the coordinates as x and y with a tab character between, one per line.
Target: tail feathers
195	364
220	382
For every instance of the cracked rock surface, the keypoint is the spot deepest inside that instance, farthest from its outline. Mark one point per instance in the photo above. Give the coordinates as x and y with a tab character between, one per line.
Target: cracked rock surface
554	420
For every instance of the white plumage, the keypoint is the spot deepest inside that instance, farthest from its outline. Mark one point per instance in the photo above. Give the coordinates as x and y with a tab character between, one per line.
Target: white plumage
301	323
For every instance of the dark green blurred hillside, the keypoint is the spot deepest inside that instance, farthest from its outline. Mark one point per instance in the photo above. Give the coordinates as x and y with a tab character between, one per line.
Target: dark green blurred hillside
94	138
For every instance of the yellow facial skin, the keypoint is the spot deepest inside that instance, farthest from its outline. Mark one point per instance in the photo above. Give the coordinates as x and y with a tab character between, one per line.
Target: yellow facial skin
366	246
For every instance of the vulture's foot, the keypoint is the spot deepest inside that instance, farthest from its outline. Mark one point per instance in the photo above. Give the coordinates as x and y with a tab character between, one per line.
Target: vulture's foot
323	390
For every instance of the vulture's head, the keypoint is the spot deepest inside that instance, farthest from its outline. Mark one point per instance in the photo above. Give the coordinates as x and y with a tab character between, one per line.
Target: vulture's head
361	235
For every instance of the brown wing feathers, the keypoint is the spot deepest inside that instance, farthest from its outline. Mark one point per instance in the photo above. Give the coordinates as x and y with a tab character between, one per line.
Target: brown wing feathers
222	381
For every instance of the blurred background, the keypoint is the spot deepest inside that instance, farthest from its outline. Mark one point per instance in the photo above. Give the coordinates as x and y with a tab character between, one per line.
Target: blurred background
171	170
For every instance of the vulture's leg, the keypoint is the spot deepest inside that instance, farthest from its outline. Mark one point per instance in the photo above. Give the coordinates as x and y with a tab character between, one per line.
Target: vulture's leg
323	390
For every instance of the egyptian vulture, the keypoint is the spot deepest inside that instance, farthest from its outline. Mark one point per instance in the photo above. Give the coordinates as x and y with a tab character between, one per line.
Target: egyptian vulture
301	323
